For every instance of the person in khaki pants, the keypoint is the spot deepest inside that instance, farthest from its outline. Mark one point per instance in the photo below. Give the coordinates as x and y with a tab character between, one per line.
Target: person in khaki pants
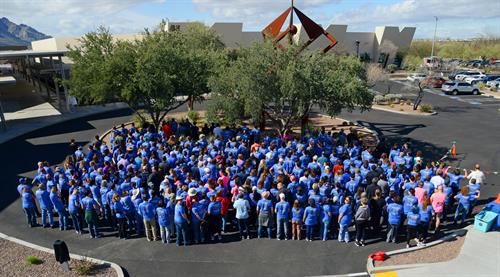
147	210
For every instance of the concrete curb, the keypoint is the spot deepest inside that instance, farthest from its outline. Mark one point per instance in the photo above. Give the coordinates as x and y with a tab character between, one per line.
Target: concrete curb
398	112
370	264
117	268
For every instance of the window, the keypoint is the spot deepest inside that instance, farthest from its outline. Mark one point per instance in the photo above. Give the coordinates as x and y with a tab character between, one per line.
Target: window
464	85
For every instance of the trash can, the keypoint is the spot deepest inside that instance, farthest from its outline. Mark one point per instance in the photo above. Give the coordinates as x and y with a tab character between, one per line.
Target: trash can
61	251
484	220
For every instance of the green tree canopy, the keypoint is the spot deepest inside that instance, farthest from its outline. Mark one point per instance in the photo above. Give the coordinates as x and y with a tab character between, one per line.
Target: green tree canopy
283	86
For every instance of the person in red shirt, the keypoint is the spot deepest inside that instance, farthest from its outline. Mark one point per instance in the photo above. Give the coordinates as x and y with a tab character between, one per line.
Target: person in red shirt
167	130
225	207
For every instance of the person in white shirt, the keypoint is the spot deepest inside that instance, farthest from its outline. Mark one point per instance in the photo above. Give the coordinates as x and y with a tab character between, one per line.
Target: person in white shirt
437	180
477	174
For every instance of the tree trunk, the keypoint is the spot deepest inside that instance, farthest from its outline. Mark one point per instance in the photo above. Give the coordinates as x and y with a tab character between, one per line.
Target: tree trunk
190	103
303	124
262	123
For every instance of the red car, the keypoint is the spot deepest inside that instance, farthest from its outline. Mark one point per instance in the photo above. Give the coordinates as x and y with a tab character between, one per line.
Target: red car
436	82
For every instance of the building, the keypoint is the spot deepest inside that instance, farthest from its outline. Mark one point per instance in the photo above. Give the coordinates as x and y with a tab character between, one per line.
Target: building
368	45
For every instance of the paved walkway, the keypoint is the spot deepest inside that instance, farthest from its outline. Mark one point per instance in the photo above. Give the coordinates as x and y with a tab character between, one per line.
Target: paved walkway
479	257
46	117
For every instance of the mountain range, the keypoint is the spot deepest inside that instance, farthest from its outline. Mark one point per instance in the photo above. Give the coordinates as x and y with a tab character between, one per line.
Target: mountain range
12	34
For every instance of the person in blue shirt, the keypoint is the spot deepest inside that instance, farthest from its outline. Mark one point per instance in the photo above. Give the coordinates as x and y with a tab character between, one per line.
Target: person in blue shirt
59	207
28	200
425	211
197	218
265	213
43	197
90	207
106	208
130	211
395	214
474	191
215	218
297	215
409	201
310	219
121	218
163	221
326	219
282	216
74	209
345	220
181	221
464	198
242	207
412	223
148	213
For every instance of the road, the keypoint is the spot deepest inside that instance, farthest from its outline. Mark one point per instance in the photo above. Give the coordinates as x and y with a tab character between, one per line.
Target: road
474	127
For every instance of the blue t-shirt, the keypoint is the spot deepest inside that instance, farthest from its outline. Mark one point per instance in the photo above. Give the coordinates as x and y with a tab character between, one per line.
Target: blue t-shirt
346	211
395	211
408	202
147	210
311	215
413	218
178	212
73	203
119	209
89	203
28	200
197	209
297	214
58	204
425	215
163	216
215	208
265	205
44	199
282	210
465	200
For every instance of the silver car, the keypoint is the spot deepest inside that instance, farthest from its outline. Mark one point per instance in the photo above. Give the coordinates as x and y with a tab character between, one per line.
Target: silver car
455	88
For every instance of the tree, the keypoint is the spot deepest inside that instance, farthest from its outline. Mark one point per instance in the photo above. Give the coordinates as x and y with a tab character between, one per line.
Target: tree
158	73
281	85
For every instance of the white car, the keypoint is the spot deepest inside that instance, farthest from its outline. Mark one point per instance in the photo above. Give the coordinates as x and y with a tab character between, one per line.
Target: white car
457	87
461	77
416	77
493	83
475	78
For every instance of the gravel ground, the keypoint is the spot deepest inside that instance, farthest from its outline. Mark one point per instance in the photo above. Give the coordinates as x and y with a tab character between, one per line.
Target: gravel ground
13	263
440	253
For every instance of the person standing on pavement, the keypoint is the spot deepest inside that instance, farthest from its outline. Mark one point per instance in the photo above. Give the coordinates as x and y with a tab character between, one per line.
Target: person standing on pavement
438	199
362	219
310	219
464	198
413	217
282	217
60	209
181	221
477	174
242	207
91	207
120	215
297	214
28	200
377	204
264	214
148	213
163	221
74	209
43	197
345	220
425	211
395	213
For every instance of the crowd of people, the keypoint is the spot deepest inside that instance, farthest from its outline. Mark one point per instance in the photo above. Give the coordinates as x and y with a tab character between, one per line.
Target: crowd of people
194	185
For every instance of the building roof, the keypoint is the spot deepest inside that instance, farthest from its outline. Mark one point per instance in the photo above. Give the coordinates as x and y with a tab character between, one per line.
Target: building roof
30	53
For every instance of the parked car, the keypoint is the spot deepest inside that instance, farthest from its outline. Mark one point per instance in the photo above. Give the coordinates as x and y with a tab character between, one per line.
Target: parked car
453	75
462	76
456	87
436	82
489	77
416	77
493	83
474	79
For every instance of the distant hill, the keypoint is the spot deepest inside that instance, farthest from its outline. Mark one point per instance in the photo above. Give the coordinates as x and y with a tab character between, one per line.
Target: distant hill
12	34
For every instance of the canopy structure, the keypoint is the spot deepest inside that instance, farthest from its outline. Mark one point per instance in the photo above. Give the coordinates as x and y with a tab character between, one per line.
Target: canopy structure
312	29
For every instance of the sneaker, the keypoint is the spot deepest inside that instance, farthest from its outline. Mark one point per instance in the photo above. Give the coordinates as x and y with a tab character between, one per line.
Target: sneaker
248	237
286	238
278	239
357	243
324	239
407	246
363	243
347	241
341	241
220	237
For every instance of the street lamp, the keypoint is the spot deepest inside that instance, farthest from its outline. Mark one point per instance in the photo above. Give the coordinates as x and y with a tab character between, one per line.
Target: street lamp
357	48
434	39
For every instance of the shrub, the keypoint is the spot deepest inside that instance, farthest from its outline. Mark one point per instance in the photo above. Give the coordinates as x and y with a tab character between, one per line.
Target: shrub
425	108
494	88
378	99
193	116
481	85
33	260
401	110
391	105
392	68
138	120
84	267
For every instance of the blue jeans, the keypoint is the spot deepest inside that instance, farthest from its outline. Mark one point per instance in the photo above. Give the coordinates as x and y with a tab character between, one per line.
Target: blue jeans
195	226
30	216
139	224
77	222
344	233
259	231
463	211
323	232
131	221
243	227
282	224
181	229
47	213
310	232
63	219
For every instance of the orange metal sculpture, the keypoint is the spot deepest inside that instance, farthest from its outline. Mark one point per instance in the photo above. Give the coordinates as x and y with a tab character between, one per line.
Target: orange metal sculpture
312	29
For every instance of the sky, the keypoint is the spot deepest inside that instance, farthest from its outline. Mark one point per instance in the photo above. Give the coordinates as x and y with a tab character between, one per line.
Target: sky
457	19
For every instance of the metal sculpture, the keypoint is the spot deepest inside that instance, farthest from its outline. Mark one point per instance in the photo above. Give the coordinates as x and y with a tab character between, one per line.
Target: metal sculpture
312	29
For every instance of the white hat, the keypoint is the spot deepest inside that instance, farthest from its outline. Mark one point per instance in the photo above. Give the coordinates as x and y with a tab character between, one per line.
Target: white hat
282	196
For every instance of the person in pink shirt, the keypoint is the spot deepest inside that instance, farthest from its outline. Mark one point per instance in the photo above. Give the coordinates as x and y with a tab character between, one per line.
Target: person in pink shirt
438	200
420	192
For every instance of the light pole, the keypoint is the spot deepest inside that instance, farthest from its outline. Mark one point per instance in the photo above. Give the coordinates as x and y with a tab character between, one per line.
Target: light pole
434	39
357	49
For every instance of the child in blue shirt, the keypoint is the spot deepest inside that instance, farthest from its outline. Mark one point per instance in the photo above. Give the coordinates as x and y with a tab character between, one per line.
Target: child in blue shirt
413	217
395	212
163	221
297	215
